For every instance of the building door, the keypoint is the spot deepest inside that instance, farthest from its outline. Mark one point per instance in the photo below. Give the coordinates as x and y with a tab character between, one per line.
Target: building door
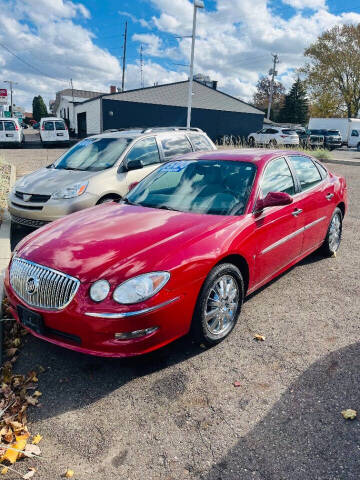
81	124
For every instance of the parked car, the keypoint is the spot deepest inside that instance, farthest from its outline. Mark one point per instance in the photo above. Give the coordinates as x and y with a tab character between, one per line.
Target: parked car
36	126
273	136
53	131
178	254
11	132
96	170
332	139
311	139
349	128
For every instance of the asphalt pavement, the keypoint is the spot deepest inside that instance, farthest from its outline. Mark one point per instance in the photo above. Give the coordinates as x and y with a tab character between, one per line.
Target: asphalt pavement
176	415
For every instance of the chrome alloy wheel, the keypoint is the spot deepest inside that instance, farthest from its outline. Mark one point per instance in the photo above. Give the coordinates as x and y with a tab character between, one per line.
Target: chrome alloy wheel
335	233
221	305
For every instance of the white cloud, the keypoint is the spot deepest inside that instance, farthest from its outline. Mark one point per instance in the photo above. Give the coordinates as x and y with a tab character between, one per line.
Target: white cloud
234	44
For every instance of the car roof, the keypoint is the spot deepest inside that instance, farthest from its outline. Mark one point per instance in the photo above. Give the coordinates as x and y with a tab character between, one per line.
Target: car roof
252	155
134	133
45	119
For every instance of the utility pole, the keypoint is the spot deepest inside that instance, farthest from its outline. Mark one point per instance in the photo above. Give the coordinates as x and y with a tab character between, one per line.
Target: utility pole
124	59
141	67
73	105
11	83
197	4
273	74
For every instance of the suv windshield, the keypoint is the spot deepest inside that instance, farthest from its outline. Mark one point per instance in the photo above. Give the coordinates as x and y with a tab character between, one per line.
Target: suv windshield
93	154
200	186
334	132
317	132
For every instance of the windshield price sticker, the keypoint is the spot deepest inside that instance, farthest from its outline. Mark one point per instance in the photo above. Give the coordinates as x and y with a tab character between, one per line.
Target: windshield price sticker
174	166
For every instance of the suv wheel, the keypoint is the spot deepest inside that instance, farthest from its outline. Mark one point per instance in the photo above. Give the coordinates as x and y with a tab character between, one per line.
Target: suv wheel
252	142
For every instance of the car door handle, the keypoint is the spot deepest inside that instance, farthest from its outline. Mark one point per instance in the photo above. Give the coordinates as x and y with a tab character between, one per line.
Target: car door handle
296	212
329	196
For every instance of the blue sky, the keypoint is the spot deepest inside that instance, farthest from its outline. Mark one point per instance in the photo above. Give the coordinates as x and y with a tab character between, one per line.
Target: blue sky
65	39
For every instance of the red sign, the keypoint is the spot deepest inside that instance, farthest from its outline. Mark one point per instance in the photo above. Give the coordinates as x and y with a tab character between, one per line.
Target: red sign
3	92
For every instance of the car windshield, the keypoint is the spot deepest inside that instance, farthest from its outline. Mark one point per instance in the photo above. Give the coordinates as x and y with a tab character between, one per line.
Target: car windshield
317	132
93	154
199	186
334	132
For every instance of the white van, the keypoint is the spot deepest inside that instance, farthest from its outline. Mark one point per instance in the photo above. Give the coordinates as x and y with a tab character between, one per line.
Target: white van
11	132
53	130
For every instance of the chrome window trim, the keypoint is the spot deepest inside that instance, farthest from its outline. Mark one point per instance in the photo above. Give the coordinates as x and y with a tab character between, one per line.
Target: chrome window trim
291	235
49	273
131	314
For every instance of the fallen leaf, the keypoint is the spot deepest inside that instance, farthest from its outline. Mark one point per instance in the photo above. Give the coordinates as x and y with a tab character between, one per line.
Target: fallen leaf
30	474
16	426
31	400
11	453
259	338
237	384
37	394
333	255
4	471
34	379
36	439
69	473
349	414
10	352
17	342
41	369
32	449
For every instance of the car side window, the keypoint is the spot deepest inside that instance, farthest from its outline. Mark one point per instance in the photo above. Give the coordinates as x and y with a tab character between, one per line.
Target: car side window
9	126
306	170
48	126
354	133
277	178
200	142
1	126
145	150
175	145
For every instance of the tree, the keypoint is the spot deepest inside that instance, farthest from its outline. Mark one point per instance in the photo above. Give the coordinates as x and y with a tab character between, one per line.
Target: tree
334	66
327	105
39	108
296	108
261	97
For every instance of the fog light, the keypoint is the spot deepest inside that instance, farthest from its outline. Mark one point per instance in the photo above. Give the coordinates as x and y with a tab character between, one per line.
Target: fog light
135	333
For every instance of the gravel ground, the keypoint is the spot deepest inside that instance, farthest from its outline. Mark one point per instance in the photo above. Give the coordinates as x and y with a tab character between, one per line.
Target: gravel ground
175	414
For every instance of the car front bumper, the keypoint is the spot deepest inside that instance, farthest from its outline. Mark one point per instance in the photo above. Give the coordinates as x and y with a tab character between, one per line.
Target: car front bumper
37	214
89	329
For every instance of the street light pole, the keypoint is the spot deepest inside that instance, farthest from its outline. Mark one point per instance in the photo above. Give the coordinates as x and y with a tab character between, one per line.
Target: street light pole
197	4
11	83
273	73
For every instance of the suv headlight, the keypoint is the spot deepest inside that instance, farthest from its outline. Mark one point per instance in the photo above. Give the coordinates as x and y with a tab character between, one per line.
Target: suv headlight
71	192
140	288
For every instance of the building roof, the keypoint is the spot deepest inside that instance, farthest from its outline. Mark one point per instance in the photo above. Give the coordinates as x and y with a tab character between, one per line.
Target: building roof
176	94
69	92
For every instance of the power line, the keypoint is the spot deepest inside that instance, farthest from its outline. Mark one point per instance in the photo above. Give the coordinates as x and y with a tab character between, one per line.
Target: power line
27	63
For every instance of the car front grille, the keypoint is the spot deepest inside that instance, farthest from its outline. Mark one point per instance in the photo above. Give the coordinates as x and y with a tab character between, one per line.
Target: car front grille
34	197
41	286
28	222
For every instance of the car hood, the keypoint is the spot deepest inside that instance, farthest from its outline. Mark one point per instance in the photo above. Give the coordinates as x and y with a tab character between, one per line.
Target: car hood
117	241
50	180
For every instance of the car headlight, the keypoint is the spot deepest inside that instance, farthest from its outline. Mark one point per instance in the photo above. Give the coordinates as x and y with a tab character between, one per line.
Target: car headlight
71	192
140	288
99	290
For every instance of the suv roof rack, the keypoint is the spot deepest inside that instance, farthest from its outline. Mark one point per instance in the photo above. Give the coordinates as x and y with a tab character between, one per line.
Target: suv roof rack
160	129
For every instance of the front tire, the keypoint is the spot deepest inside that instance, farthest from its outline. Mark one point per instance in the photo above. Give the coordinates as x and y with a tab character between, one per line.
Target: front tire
107	200
252	142
218	305
333	237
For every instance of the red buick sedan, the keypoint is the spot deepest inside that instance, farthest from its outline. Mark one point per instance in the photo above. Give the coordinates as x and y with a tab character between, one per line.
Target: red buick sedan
179	254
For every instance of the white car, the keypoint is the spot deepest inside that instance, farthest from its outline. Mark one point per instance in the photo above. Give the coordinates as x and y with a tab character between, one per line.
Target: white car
273	136
53	130
11	132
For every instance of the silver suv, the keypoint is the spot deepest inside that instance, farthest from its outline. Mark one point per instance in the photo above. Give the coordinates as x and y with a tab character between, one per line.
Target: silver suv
98	169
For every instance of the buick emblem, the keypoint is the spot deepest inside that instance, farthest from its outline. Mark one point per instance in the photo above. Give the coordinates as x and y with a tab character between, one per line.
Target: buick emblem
26	197
32	284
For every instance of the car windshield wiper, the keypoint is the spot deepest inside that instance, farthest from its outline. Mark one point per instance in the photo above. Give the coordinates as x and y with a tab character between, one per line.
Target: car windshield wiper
72	168
165	207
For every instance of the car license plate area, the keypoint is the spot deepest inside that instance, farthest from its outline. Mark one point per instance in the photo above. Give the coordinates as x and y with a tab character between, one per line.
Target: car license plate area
30	319
60	134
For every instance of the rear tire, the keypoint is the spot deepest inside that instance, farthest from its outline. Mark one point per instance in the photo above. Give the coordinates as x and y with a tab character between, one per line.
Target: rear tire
252	142
358	147
333	237
218	305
